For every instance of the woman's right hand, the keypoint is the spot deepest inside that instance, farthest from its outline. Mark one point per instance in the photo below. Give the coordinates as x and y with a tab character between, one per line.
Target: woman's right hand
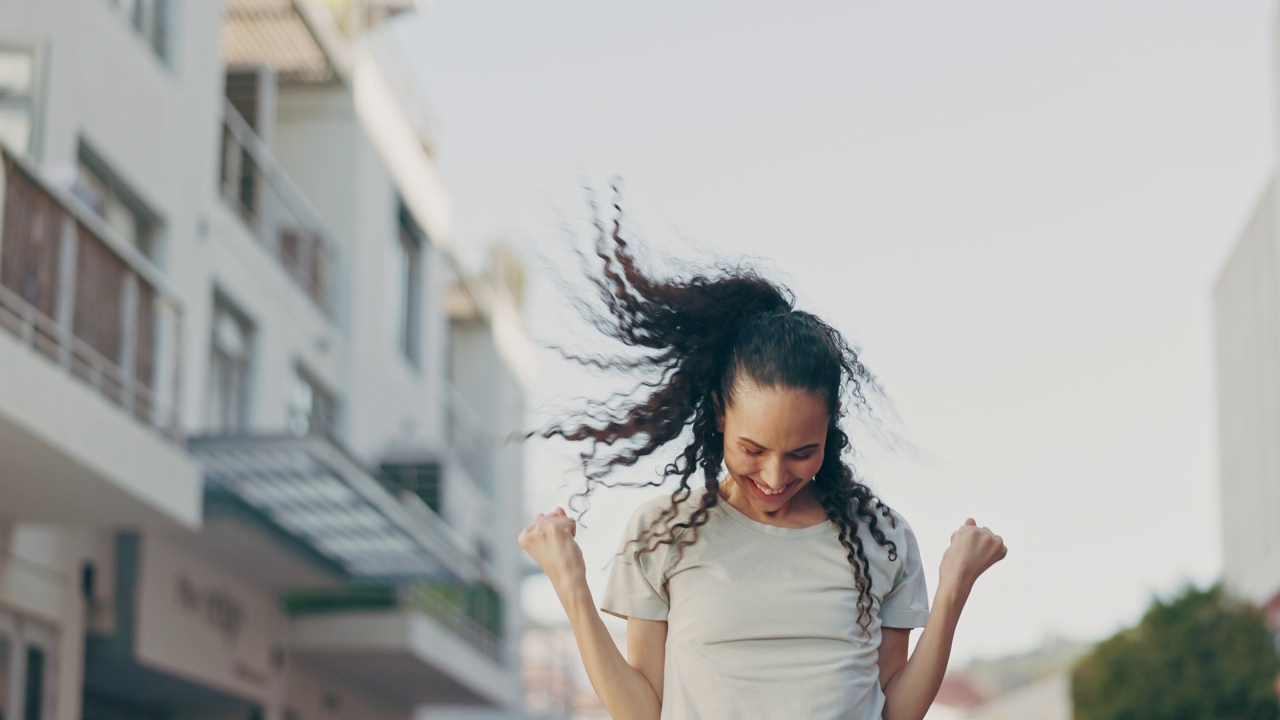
549	540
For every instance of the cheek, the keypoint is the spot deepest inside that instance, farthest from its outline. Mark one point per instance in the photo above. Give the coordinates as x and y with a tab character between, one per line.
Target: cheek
740	464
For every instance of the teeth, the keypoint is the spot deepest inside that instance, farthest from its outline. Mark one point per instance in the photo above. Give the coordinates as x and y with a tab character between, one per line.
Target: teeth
767	491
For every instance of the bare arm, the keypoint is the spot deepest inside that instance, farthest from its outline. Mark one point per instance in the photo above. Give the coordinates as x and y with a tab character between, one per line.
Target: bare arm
627	692
910	690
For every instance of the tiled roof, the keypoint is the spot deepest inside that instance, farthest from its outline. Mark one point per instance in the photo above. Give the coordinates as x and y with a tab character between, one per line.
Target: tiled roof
272	33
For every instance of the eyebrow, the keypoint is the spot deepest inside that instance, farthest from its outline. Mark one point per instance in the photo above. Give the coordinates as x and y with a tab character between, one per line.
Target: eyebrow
810	446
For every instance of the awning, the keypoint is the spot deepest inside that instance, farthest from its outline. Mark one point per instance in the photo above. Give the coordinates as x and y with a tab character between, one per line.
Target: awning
311	491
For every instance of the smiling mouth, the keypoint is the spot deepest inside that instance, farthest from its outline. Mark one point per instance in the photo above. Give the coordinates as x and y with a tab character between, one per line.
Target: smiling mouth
768	493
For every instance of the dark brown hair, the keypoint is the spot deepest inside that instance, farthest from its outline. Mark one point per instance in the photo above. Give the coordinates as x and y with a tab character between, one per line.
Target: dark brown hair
693	340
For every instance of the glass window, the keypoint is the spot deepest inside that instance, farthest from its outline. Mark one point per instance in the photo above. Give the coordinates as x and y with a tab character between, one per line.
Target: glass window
6	671
33	698
110	199
312	409
421	479
150	19
18	98
229	368
409	283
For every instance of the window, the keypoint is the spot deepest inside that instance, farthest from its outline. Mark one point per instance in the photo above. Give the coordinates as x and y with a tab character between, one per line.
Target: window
27	664
421	479
19	99
409	282
151	19
312	409
102	191
33	699
6	672
229	369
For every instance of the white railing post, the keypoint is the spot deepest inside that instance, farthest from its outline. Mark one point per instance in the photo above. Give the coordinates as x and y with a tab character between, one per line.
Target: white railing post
163	381
64	309
4	199
129	340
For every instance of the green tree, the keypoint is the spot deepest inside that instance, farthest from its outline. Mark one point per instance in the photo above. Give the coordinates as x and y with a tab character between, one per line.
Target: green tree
1199	656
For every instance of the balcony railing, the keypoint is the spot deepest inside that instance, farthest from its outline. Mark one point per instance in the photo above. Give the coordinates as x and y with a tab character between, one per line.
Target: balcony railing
258	190
78	294
473	612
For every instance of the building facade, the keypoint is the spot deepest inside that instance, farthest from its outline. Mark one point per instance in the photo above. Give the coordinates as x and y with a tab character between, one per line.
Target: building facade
254	416
1246	311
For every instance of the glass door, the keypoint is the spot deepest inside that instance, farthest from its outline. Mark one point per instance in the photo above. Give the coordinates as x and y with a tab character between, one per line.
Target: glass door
26	669
9	675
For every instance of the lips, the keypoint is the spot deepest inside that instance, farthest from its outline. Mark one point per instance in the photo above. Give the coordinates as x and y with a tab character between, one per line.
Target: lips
769	495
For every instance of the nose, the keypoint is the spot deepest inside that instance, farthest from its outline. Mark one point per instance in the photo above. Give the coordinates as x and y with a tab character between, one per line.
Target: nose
773	476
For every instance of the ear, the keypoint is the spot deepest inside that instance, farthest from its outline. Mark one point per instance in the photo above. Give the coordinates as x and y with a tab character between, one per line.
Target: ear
718	407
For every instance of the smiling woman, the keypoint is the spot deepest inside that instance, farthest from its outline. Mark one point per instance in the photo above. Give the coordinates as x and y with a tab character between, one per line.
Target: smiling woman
779	586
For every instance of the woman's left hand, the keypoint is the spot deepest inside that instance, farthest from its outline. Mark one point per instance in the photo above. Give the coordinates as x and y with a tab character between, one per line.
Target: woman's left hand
973	549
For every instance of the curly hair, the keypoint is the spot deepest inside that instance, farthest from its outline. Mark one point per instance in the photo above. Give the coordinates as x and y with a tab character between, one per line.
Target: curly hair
695	339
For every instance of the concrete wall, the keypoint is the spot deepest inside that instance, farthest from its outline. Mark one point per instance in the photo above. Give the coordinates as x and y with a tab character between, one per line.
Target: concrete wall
315	693
1246	302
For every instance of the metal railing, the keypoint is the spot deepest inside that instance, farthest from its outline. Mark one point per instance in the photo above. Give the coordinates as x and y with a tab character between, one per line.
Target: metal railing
446	604
258	190
76	293
452	605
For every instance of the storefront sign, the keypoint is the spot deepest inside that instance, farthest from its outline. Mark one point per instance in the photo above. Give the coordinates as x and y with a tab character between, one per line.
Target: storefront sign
206	625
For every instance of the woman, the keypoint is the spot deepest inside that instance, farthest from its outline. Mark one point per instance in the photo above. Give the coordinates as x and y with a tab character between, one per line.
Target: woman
779	586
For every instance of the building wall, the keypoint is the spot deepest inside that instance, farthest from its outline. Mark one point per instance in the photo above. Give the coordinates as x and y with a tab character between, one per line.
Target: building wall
157	124
314	693
1246	301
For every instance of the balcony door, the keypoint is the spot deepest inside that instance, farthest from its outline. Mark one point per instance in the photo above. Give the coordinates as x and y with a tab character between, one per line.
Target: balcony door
26	669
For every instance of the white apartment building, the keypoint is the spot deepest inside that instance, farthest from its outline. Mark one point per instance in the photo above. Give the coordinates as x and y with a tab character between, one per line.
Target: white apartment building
1246	308
253	414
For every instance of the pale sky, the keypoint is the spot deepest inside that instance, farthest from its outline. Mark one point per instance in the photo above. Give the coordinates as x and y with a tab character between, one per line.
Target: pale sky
1015	208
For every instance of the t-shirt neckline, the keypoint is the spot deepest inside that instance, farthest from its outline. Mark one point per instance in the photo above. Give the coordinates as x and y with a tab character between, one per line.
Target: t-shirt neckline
777	530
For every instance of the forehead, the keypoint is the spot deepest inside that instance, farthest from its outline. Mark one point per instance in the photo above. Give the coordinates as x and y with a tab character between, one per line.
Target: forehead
777	417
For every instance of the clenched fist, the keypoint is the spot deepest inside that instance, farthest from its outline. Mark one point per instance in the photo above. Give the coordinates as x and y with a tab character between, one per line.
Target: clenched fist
549	540
973	549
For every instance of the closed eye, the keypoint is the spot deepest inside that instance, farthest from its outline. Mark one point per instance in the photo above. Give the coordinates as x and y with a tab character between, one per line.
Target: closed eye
805	456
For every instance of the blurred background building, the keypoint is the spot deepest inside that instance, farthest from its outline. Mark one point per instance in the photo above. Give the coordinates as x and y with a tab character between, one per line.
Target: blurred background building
253	412
1246	310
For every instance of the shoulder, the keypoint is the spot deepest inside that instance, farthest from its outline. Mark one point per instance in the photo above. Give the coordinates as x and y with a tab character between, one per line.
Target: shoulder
659	507
657	511
893	527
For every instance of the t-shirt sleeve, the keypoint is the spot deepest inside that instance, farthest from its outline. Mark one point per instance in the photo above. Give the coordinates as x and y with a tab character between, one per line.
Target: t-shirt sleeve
906	605
634	587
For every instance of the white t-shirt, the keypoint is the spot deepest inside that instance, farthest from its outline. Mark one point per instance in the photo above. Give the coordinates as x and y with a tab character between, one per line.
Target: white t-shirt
762	621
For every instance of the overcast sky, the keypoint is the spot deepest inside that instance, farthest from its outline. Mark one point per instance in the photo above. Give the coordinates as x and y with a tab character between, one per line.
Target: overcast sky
1015	208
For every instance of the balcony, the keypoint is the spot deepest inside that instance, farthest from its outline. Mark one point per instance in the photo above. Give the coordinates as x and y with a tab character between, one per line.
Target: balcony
411	646
473	612
338	517
273	210
380	589
89	368
90	305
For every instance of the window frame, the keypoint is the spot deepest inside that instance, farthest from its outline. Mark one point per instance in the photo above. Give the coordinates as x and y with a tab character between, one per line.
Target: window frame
317	422
154	22
148	224
411	247
33	100
239	421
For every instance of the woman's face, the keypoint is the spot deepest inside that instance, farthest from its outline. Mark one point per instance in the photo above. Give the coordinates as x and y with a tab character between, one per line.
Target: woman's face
774	439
